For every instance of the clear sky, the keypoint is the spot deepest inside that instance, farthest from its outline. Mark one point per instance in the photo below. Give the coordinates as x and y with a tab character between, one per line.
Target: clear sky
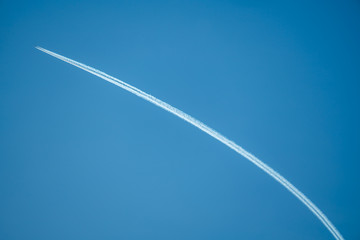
83	159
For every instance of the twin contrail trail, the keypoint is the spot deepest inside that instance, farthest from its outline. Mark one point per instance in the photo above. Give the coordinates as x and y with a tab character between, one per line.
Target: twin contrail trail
310	205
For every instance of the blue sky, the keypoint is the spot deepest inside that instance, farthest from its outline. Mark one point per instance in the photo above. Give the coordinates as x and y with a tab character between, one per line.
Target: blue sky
83	159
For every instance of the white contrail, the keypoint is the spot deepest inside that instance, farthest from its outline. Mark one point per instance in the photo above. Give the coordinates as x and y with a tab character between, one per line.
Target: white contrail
312	207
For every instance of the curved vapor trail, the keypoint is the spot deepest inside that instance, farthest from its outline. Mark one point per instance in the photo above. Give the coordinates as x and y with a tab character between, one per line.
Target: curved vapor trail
310	205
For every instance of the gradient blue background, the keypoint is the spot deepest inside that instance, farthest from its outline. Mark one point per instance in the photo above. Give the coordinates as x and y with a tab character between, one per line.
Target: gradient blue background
83	159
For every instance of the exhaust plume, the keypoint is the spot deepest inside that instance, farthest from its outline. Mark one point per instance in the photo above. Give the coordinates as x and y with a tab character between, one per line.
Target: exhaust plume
310	205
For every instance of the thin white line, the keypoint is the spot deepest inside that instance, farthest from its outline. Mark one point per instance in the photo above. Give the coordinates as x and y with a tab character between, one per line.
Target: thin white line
311	206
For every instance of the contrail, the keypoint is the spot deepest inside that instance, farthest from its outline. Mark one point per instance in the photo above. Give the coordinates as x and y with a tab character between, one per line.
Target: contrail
310	205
